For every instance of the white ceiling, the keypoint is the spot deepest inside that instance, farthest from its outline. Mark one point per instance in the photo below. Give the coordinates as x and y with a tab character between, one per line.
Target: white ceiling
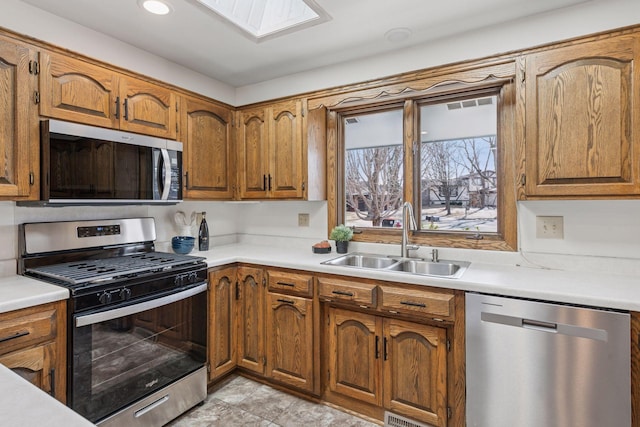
203	42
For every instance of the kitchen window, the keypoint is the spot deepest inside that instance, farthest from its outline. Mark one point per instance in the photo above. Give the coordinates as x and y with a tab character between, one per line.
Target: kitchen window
451	154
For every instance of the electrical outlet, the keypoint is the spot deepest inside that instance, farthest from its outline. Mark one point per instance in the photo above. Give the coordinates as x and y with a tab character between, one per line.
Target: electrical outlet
550	227
303	220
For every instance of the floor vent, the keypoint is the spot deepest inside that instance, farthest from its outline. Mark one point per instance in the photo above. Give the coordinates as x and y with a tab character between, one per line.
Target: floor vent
393	420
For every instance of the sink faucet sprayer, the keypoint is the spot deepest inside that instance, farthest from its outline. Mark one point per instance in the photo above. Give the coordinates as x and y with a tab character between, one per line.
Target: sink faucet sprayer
405	246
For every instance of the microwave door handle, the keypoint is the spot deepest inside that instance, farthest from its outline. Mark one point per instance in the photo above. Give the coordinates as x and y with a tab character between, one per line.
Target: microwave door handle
164	174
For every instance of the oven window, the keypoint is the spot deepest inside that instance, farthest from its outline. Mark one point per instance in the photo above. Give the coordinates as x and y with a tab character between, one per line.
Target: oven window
120	361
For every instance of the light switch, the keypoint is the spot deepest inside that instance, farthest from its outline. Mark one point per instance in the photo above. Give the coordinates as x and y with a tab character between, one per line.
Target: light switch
550	227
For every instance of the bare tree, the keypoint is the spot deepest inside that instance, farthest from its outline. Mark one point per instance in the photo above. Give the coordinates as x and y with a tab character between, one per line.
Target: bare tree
374	179
478	156
441	169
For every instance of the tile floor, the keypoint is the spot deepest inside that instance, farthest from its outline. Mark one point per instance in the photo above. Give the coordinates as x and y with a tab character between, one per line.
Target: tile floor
242	402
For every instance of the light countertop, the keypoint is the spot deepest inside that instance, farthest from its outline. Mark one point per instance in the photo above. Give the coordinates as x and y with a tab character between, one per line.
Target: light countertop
592	289
18	292
25	405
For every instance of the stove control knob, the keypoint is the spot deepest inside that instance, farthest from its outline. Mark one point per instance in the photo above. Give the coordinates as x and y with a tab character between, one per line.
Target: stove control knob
178	280
104	298
193	277
125	294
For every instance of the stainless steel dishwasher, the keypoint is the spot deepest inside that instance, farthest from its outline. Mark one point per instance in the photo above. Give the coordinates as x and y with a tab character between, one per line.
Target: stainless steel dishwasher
538	364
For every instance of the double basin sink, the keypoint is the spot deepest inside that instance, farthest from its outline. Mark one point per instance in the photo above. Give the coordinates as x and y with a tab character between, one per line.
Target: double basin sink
419	266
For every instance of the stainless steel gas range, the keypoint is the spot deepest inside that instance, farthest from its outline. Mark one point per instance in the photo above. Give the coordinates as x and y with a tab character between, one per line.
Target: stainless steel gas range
137	318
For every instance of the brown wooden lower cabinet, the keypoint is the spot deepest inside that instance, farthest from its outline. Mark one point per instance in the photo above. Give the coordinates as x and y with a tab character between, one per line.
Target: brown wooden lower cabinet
289	340
223	340
272	334
267	323
354	355
396	364
250	316
33	345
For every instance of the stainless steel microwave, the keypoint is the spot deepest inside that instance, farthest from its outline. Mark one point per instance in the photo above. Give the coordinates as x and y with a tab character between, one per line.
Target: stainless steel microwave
83	165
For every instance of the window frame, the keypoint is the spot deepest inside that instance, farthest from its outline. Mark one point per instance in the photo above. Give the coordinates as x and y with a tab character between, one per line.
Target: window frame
507	153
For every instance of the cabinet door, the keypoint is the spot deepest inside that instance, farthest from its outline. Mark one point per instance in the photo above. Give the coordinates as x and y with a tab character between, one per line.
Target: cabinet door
222	311
206	131
251	319
286	173
19	145
253	160
355	355
289	340
582	119
415	371
35	365
77	91
147	108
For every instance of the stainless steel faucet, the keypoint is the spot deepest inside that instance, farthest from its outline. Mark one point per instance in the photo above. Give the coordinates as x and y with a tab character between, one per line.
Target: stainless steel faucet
407	215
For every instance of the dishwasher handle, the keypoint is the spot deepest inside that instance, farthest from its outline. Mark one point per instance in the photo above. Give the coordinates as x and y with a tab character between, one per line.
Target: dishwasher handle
539	325
543	326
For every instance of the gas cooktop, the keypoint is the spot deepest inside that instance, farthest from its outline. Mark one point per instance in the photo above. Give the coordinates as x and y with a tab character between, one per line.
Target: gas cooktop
97	270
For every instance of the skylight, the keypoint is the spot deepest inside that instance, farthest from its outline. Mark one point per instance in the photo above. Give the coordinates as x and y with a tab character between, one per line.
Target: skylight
263	19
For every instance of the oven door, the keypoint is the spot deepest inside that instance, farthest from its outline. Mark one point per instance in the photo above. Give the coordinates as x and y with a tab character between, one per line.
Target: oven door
120	355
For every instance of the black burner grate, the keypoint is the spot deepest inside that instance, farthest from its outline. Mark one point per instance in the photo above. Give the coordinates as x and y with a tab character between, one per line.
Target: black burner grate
79	272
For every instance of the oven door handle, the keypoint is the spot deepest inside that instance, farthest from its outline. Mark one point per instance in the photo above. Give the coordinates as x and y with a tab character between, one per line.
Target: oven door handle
103	316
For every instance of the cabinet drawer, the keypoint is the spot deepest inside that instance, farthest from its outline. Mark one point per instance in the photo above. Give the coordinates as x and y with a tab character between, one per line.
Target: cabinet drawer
290	282
23	328
430	303
362	294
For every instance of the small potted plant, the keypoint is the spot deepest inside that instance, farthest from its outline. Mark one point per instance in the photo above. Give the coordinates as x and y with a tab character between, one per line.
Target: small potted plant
341	234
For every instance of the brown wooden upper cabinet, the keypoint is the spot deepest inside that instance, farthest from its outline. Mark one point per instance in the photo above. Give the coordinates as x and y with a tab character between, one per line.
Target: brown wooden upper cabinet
78	91
275	154
206	131
582	119
19	147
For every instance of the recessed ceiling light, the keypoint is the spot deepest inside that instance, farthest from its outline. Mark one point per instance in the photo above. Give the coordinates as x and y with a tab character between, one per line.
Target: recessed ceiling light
397	35
156	7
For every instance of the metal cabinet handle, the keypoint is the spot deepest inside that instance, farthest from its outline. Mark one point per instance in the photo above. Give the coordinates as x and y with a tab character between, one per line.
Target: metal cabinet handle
117	107
52	382
285	301
345	293
377	347
286	284
264	182
269	182
385	354
14	336
126	109
413	304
